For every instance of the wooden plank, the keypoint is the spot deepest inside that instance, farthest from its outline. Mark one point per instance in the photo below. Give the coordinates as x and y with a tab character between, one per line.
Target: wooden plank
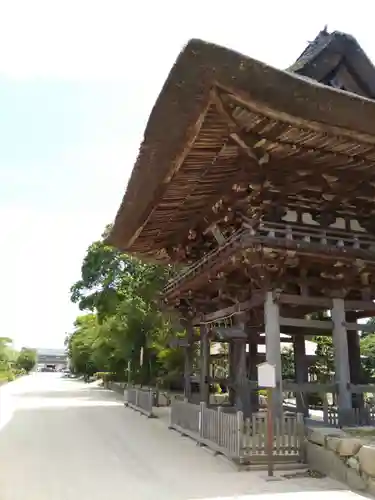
362	388
307	323
290	331
301	300
233	332
309	387
359	327
255	301
359	305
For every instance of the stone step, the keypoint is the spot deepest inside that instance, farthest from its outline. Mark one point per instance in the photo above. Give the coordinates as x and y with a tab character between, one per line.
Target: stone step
287	466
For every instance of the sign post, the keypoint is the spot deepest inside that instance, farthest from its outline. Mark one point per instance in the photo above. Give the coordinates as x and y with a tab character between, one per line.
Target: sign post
267	378
129	372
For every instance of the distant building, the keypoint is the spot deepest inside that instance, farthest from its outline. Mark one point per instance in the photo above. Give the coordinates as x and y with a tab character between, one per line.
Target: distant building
54	357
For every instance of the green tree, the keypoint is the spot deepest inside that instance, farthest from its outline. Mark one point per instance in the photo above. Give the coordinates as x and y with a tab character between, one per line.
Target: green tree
368	351
287	363
26	359
80	344
7	359
324	365
6	353
125	323
370	322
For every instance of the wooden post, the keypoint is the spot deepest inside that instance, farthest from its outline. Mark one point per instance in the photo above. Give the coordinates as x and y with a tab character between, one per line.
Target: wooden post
219	424
270	438
204	365
232	362
301	370
201	419
240	430
253	372
129	372
355	366
242	387
267	378
340	342
273	348
188	361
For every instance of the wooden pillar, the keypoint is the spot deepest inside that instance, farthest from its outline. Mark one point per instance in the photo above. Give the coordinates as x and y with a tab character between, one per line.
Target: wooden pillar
232	372
301	369
204	365
188	361
253	372
242	387
273	347
355	365
341	354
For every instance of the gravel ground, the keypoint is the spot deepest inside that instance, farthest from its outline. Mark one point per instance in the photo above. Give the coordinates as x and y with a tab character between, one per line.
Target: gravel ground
61	439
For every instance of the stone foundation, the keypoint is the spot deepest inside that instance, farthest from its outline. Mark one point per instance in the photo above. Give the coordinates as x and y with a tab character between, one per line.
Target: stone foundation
342	456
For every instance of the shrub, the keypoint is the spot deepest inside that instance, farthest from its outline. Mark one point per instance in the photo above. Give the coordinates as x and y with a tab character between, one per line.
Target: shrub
106	376
7	376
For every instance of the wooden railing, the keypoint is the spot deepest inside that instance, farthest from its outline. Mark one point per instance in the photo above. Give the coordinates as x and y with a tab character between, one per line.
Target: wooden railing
241	441
209	258
222	429
141	400
288	434
328	237
351	417
279	234
331	415
185	417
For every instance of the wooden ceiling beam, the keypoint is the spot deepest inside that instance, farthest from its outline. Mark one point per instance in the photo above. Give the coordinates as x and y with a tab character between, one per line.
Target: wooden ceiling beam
236	309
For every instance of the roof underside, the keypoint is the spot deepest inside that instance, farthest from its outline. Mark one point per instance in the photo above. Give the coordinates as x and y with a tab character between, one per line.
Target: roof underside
223	119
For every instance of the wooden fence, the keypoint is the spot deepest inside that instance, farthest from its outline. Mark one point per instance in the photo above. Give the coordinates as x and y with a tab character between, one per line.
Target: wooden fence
331	415
288	436
352	417
241	441
141	400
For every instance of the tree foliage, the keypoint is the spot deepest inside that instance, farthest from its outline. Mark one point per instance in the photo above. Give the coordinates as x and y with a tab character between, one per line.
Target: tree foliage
287	363
26	359
368	353
9	368
123	323
7	354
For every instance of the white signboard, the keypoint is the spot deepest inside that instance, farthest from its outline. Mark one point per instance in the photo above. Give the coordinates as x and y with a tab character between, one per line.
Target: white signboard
266	375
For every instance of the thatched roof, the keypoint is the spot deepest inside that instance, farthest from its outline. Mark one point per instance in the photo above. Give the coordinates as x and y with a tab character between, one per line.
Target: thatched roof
187	134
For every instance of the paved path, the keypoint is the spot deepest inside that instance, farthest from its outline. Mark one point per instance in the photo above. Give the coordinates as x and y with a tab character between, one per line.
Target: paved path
63	440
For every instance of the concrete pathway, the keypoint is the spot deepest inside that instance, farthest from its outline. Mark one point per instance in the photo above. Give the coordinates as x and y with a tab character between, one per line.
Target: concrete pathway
61	439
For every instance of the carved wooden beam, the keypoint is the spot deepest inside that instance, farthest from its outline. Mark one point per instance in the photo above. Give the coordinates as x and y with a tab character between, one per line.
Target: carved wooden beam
307	323
253	150
359	327
360	305
303	300
255	301
230	333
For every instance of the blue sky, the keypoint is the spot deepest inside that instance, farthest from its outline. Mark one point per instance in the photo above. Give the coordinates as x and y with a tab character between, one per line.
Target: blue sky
77	82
